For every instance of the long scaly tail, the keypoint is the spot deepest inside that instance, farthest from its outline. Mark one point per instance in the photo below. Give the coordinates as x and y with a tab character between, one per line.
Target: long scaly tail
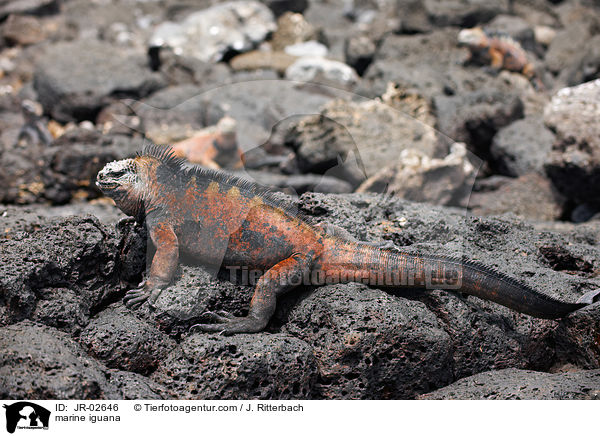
345	261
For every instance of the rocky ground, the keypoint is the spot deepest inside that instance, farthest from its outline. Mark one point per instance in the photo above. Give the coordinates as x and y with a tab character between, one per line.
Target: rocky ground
365	114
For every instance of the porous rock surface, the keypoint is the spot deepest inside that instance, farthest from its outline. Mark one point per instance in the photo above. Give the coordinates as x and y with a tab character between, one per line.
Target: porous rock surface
384	105
515	384
336	341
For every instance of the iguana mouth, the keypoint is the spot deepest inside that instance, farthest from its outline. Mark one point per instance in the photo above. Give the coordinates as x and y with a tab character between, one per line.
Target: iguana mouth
106	185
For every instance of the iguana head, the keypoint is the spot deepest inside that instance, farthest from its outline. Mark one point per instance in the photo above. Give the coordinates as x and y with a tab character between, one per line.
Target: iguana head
474	37
120	180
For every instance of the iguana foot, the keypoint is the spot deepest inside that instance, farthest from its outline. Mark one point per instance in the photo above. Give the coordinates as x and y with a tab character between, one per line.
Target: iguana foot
135	297
590	297
228	324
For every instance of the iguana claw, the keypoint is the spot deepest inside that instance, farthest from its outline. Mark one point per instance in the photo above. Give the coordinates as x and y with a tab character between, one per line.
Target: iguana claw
220	316
229	324
135	297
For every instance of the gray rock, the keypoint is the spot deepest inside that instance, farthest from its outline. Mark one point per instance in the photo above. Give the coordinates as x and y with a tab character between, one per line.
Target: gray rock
522	147
196	291
281	6
320	70
475	117
27	218
417	177
122	341
137	387
42	363
531	196
576	13
429	63
485	336
73	84
370	344
255	366
544	35
577	338
565	49
464	13
514	384
10	126
307	49
359	52
114	23
118	119
35	266
211	33
180	69
33	7
63	171
258	59
292	29
589	67
574	163
301	183
169	115
373	17
73	161
22	30
584	212
259	105
61	308
415	18
20	176
335	28
354	140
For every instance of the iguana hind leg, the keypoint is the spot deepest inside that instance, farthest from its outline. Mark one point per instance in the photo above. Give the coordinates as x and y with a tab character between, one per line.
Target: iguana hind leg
281	278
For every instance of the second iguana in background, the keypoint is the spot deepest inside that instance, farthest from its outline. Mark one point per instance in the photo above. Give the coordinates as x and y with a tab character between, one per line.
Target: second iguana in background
498	51
225	221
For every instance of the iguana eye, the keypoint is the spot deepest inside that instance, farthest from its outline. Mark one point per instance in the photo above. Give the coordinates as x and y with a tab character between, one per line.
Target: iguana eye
119	173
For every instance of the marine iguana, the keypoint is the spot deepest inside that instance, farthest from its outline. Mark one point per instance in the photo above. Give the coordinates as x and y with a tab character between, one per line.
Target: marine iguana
214	147
220	219
499	51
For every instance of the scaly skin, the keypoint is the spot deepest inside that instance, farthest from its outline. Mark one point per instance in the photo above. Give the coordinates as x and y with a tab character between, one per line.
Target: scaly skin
226	222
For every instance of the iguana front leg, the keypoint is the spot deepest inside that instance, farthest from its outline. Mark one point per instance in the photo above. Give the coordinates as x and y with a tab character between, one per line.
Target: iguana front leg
164	265
281	278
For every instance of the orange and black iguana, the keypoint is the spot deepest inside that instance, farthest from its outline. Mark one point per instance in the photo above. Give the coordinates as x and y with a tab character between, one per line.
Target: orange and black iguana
223	220
498	51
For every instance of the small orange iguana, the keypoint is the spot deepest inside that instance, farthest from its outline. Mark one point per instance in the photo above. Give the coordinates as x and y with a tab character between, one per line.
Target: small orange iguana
222	220
499	51
215	147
